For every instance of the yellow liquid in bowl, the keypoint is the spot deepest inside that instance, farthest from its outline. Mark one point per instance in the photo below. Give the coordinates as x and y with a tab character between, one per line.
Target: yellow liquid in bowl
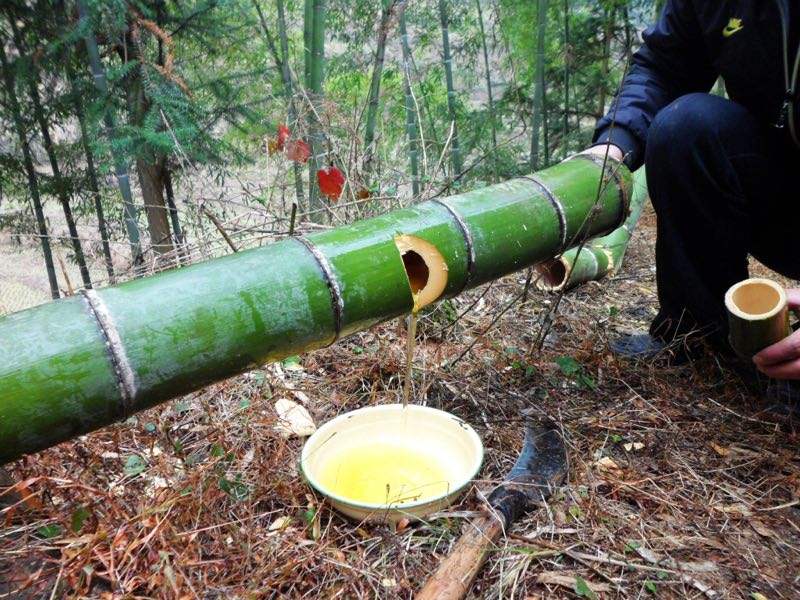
384	474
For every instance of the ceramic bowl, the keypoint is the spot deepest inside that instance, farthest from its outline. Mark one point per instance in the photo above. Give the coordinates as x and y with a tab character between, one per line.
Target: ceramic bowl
447	439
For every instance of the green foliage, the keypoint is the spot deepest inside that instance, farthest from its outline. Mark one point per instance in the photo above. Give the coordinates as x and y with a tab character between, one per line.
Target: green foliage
575	371
50	531
78	518
582	588
134	465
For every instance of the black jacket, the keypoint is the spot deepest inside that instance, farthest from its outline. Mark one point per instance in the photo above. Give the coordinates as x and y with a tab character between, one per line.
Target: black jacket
693	43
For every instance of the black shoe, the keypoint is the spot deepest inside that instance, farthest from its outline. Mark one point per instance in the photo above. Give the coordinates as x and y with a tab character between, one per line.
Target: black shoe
643	346
637	346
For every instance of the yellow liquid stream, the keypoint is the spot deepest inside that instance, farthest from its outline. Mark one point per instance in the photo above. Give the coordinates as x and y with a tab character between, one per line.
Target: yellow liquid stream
384	473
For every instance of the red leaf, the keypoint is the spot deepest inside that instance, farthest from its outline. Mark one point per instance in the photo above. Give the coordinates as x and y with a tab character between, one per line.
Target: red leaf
331	182
283	136
298	151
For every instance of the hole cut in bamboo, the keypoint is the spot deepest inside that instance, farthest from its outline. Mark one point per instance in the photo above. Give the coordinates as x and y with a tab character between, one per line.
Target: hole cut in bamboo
552	275
758	315
425	268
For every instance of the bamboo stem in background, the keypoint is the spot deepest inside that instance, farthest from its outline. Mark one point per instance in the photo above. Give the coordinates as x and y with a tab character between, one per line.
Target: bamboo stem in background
120	167
388	8
455	148
94	188
33	185
316	77
567	61
282	64
411	112
134	345
492	119
58	180
286	76
308	33
91	170
538	88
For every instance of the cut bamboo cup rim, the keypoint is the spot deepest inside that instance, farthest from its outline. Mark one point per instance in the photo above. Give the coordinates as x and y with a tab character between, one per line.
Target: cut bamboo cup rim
425	267
553	275
755	299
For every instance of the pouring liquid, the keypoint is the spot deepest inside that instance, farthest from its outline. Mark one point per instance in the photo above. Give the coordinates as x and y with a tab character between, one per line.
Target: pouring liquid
411	343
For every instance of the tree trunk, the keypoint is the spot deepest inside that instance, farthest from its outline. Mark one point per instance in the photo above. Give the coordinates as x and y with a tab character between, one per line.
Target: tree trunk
33	186
492	119
149	166
120	166
151	180
388	8
411	112
94	187
177	231
538	88
455	149
58	180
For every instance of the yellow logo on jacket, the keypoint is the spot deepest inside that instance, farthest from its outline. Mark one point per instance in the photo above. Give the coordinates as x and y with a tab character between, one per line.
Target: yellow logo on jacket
733	26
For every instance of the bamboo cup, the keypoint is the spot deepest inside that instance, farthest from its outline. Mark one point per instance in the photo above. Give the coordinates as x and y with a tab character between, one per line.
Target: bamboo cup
758	315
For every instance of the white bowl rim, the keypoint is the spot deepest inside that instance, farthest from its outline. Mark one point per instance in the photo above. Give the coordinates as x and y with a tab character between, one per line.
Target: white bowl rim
400	506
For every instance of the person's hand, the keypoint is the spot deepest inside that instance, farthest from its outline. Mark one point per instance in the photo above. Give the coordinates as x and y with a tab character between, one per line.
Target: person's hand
782	360
614	152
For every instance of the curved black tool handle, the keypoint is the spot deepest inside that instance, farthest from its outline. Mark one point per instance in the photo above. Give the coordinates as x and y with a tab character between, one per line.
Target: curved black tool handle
542	465
540	468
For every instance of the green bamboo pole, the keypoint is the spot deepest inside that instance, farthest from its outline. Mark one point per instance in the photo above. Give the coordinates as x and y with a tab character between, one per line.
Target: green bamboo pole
597	258
125	348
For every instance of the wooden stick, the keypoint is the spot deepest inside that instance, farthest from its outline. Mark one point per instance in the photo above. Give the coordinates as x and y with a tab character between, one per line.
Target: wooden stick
220	228
455	575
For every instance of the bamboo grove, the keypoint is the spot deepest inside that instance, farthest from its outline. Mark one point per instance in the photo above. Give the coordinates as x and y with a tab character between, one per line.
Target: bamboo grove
110	110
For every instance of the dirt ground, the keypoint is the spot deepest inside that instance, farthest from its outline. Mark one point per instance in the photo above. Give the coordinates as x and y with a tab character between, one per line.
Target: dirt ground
679	486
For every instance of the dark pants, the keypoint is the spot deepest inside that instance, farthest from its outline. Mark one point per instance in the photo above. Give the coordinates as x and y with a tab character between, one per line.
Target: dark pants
724	185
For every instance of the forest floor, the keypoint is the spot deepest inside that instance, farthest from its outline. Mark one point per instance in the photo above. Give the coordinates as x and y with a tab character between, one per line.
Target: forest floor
679	486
